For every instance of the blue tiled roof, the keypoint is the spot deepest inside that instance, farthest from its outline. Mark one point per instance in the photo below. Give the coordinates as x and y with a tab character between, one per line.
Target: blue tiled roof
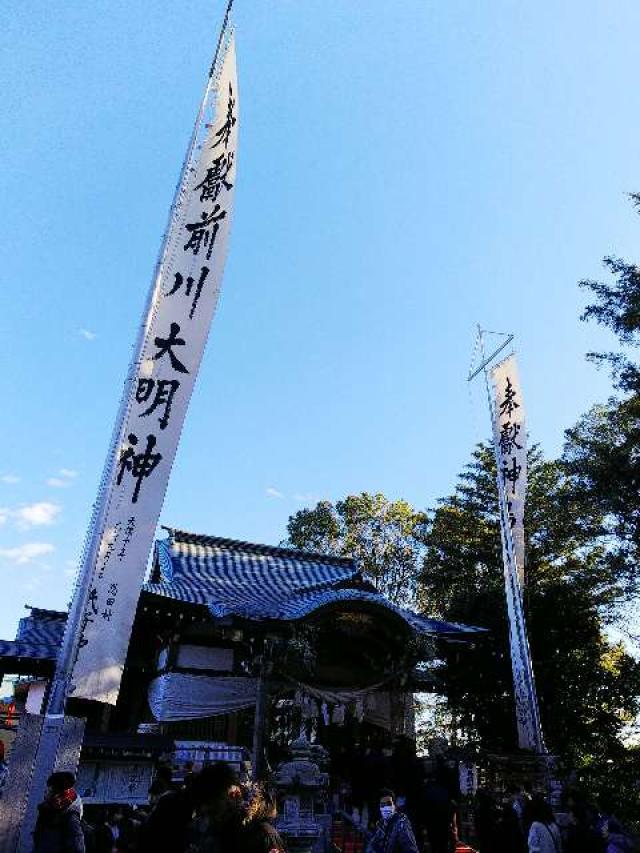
42	627
261	582
38	637
14	649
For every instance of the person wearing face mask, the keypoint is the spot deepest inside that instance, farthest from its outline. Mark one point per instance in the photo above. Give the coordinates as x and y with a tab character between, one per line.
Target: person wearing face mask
393	833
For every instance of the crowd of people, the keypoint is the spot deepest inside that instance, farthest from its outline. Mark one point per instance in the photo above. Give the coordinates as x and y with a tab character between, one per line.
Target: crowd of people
511	822
523	823
211	812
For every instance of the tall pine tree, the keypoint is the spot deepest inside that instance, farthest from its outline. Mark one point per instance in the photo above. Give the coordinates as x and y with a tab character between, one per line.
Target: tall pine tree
602	451
587	686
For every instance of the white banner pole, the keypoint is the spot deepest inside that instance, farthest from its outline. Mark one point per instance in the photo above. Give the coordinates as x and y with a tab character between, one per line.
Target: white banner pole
121	455
69	650
527	712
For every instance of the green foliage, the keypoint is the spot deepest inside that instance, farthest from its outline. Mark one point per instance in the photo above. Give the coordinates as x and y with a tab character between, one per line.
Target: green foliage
612	782
582	555
602	460
585	700
383	536
617	307
602	451
451	562
601	464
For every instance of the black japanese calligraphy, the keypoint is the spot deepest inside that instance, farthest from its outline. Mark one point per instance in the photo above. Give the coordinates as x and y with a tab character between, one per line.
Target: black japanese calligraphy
511	472
82	642
139	465
92	600
204	233
108	551
128	535
509	404
508	437
224	133
161	393
179	281
90	611
216	177
166	345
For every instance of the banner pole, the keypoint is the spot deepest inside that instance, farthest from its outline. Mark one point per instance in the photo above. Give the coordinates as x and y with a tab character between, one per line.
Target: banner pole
45	757
516	609
66	659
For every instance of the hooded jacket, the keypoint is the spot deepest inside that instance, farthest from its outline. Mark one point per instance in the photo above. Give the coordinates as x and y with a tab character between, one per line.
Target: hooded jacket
59	830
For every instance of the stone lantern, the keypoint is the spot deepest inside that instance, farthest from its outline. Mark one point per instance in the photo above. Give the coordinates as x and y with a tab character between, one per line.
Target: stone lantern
302	797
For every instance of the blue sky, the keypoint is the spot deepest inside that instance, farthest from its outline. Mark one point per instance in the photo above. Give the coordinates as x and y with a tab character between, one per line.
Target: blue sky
405	172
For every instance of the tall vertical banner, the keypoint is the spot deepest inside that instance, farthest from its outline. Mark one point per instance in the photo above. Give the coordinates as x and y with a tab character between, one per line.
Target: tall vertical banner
157	393
510	431
510	443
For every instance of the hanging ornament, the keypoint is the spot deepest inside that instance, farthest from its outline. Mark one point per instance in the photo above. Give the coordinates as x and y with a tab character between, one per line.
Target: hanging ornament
338	715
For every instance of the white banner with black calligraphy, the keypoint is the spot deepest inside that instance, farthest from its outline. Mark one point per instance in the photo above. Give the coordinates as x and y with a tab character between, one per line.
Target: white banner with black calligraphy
510	435
510	442
158	391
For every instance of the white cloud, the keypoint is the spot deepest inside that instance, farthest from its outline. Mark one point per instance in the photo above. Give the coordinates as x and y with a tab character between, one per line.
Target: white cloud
26	553
63	480
37	514
5	513
273	493
9	479
87	335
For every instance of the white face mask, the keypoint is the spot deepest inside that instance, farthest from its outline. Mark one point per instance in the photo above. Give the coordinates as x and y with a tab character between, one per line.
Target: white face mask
387	811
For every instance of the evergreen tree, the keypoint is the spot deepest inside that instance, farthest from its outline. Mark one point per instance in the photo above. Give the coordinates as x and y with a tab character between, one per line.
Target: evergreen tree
602	451
587	686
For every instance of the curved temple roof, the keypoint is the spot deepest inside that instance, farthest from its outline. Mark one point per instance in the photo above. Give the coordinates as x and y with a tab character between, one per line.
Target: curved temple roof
36	644
234	578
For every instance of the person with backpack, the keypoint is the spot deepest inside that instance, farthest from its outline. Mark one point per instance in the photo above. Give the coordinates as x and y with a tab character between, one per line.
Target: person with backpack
59	827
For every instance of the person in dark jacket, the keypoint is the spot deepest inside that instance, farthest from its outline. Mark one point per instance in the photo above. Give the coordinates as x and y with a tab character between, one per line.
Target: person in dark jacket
584	834
258	835
103	837
393	833
511	837
220	812
170	825
439	813
486	821
59	824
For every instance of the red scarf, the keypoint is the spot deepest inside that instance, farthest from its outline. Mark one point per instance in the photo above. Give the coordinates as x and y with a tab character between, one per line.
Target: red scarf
59	802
